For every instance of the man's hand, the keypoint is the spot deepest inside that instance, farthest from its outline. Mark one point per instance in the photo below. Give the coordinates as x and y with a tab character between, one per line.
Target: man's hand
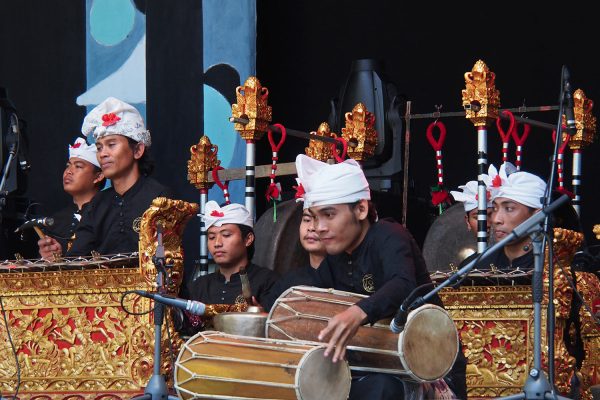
48	247
340	329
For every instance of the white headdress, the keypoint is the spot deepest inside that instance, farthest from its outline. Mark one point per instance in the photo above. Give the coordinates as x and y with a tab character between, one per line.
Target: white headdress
230	214
522	187
80	149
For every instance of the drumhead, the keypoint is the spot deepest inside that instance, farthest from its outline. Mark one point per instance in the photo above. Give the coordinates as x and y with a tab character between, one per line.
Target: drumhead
428	345
241	323
318	378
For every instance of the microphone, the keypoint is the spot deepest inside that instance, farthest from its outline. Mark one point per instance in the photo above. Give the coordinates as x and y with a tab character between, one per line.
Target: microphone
16	130
397	324
35	222
191	306
569	104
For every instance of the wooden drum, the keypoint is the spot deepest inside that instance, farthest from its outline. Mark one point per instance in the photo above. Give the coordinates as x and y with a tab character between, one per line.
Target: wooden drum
424	351
215	365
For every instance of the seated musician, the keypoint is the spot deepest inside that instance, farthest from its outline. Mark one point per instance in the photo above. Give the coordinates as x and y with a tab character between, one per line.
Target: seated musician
231	245
110	223
305	275
82	179
367	256
516	196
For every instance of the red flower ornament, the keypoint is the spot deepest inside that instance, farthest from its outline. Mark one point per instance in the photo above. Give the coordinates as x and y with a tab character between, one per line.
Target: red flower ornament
299	191
110	119
217	213
76	145
497	181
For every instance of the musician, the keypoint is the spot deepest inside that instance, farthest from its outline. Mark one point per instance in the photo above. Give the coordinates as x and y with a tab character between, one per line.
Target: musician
468	196
516	196
364	255
111	222
231	244
82	179
305	275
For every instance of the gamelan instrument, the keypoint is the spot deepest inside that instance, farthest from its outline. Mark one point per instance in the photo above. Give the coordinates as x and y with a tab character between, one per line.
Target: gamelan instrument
215	365
424	351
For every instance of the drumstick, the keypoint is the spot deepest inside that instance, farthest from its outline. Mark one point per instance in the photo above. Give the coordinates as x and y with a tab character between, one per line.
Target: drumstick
246	290
39	232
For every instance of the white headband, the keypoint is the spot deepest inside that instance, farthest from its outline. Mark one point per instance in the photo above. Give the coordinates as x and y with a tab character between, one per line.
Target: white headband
326	184
230	214
522	187
469	194
115	117
80	149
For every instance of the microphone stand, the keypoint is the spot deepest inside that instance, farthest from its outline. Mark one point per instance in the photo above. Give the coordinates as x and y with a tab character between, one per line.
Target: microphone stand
13	145
156	389
537	385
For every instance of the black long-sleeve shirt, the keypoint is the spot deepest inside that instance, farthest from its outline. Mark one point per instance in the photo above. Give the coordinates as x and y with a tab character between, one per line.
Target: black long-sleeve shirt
305	275
107	225
386	266
65	223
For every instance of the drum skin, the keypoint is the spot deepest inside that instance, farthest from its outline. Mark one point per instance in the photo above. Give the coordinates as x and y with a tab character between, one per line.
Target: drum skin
216	365
277	244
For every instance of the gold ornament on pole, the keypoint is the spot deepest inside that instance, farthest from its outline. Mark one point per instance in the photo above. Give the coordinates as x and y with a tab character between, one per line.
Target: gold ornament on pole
481	99
318	149
360	130
584	121
203	160
252	105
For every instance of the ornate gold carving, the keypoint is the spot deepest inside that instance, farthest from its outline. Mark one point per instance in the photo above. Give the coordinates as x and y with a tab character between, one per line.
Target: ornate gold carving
481	99
318	149
173	215
496	328
596	231
584	121
214	309
252	105
203	159
360	130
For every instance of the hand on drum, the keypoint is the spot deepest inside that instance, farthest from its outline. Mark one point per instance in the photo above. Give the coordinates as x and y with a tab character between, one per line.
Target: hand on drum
48	247
341	329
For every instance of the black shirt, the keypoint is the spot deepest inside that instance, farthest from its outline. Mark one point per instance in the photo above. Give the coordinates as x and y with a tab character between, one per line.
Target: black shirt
66	221
386	266
214	289
107	225
305	275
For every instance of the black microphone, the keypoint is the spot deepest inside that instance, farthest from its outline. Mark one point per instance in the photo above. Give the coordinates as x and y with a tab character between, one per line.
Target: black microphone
35	222
569	105
397	324
191	306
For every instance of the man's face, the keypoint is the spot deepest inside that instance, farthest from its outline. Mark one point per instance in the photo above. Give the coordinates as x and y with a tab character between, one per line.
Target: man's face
116	157
471	220
309	238
338	226
507	215
226	245
80	177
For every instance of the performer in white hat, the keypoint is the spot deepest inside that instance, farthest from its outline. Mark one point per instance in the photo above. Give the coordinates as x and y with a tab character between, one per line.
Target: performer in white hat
468	196
82	179
516	196
109	226
364	255
231	244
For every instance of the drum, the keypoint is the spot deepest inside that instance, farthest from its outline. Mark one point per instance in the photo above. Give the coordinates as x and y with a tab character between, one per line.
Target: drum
215	365
424	351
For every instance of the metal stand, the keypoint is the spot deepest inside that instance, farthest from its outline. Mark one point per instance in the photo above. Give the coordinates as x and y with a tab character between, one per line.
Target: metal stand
156	389
537	385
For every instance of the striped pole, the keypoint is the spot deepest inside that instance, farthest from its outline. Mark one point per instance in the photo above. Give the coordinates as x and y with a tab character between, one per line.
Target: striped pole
576	180
482	163
250	199
203	235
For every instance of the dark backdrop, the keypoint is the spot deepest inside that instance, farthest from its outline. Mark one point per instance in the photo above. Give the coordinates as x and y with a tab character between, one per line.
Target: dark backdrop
305	50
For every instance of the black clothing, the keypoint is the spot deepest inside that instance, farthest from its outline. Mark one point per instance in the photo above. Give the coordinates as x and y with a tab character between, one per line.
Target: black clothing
214	289
386	266
66	221
107	225
305	275
517	272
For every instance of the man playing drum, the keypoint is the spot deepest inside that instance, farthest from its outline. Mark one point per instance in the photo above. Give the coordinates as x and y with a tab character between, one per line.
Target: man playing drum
364	255
111	222
231	245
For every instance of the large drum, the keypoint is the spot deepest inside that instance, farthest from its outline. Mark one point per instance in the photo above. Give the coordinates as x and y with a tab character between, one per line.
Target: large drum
215	365
424	351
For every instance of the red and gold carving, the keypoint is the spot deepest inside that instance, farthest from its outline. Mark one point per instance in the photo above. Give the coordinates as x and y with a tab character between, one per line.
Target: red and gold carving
588	286
252	105
585	121
481	99
203	159
318	149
